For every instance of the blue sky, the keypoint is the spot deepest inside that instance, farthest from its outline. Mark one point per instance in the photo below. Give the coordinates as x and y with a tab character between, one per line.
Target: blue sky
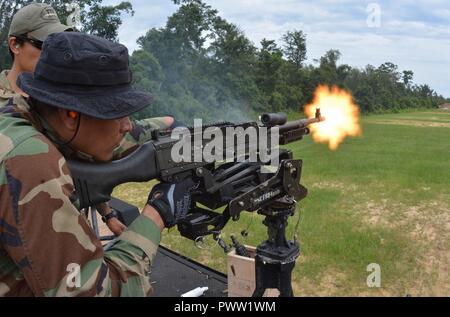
412	34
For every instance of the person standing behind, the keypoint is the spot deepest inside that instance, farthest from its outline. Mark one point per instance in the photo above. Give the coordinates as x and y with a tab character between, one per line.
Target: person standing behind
29	28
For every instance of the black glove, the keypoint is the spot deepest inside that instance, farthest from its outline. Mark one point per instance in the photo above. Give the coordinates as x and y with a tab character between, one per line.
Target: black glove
172	200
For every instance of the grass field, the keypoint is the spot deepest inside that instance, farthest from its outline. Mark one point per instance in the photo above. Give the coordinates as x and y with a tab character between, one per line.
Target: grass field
382	198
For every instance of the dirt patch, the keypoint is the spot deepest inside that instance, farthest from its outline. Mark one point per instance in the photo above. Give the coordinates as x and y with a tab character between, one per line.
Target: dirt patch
433	229
428	225
445	106
413	123
334	185
332	283
376	214
437	119
383	213
429	220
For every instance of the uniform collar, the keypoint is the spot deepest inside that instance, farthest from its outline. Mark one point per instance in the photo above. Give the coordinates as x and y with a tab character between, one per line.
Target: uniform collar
6	90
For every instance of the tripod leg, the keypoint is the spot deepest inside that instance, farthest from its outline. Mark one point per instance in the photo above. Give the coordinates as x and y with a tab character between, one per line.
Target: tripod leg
286	280
277	276
275	257
261	276
94	221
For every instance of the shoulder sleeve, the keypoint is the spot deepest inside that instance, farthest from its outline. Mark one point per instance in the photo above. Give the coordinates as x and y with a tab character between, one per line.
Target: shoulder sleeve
55	247
141	132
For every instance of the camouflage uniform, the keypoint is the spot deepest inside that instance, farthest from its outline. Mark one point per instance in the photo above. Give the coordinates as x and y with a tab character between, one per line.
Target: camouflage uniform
140	133
6	92
39	245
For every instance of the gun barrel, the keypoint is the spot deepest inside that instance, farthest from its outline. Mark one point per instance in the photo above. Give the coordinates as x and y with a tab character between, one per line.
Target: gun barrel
299	124
273	119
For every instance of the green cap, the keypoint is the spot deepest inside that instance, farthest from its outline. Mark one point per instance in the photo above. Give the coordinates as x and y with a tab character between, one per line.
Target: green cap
38	20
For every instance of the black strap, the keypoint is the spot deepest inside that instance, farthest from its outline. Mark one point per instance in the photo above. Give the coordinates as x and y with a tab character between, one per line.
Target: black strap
76	132
110	215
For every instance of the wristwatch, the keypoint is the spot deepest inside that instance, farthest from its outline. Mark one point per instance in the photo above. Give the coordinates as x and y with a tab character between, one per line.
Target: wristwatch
111	214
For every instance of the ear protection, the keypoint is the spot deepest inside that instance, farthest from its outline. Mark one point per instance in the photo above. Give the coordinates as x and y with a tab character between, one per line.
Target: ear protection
17	46
73	114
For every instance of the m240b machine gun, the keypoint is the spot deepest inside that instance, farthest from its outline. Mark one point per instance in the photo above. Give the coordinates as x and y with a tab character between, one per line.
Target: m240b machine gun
237	184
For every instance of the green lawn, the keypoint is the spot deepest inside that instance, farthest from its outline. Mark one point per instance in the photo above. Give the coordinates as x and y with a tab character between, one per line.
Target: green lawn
382	198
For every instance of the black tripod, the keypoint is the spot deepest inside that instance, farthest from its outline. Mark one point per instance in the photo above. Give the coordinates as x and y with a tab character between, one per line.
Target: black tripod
275	257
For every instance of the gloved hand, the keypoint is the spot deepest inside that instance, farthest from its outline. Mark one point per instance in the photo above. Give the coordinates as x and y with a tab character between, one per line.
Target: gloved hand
172	200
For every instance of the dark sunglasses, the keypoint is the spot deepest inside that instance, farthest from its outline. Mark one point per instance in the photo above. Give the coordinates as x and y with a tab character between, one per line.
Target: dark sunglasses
35	43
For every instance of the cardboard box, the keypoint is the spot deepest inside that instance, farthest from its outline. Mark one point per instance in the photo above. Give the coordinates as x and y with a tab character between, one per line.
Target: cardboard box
241	275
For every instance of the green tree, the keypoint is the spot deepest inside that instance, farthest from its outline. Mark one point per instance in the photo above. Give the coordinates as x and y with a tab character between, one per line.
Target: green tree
207	65
295	47
408	76
270	59
104	21
192	23
330	59
391	70
328	69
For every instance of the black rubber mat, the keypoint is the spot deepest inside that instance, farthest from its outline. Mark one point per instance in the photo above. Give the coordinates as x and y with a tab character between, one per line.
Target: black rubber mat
173	275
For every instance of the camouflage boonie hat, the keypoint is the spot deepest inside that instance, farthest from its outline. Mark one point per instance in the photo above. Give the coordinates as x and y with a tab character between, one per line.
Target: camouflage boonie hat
38	20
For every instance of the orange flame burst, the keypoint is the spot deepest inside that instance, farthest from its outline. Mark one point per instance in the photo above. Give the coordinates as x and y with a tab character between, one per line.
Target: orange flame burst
340	112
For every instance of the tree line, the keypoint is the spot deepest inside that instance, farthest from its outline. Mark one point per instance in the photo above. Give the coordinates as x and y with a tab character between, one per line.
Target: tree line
200	65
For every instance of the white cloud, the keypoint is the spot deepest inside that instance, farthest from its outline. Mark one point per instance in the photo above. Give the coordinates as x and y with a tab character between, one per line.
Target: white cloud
148	14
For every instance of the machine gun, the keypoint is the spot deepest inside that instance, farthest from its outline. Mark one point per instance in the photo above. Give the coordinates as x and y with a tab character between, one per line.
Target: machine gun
237	184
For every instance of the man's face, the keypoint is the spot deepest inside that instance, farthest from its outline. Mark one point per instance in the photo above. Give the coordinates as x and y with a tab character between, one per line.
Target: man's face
99	138
27	57
30	57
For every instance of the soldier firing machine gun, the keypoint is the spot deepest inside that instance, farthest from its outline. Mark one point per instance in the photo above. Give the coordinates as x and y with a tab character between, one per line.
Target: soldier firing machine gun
238	185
